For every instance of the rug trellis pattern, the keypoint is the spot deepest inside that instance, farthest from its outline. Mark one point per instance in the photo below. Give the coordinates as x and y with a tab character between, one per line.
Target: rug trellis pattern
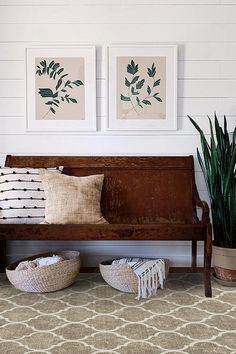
91	317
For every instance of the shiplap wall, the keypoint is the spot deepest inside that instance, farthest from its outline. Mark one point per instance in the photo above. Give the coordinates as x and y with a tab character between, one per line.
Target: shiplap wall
205	31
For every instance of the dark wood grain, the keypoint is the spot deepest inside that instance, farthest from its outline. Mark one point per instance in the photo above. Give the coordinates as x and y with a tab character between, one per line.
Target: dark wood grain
140	162
143	198
2	255
140	232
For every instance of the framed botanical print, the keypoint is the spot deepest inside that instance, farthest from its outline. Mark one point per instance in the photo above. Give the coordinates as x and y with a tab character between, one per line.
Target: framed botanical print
142	87
61	88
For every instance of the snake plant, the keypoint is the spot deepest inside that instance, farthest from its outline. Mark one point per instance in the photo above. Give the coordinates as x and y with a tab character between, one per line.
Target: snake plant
218	162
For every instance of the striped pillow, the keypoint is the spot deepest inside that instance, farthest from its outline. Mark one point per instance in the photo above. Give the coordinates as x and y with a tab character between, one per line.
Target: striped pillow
22	198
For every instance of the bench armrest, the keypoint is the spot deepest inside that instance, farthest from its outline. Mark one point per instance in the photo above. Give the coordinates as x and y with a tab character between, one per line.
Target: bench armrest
202	205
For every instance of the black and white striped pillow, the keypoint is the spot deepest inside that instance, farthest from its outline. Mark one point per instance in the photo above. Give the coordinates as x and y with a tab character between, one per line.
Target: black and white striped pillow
22	198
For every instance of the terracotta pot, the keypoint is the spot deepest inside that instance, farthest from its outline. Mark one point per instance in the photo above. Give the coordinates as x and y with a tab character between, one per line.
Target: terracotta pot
224	261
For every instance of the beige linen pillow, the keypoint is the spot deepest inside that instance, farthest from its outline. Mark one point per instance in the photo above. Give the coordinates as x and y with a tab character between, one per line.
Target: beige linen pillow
72	200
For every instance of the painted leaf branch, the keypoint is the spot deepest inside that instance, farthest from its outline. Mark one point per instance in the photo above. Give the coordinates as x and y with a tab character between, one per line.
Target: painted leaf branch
135	88
55	72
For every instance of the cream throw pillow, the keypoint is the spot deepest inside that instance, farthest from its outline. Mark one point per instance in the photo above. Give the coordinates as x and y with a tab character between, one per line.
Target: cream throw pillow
72	200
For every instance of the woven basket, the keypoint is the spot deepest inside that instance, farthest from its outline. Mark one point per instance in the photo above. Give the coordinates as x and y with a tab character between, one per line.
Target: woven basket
47	278
121	276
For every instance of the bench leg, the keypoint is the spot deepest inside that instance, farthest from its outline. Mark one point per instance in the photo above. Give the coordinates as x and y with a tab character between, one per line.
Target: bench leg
207	262
2	256
194	255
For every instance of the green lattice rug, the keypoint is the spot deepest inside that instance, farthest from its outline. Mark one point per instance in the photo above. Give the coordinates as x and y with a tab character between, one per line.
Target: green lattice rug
91	317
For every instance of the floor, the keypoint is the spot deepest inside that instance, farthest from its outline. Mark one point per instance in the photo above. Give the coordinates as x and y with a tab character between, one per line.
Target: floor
91	317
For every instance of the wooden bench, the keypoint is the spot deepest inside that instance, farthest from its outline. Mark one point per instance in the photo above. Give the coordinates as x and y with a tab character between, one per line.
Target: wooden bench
143	198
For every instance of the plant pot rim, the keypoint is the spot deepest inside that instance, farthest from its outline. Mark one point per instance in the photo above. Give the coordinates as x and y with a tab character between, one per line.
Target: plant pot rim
228	249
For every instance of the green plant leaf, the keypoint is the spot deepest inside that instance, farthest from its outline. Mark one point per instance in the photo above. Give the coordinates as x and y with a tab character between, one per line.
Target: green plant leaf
124	98
55	66
43	63
146	102
77	82
132	68
49	103
134	80
151	71
149	89
55	104
67	83
133	91
51	64
138	102
60	71
127	83
157	83
73	100
140	84
59	84
158	98
52	110
55	95
45	92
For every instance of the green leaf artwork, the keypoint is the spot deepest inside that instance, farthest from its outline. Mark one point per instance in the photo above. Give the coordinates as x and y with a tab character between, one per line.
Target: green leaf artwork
140	92
60	95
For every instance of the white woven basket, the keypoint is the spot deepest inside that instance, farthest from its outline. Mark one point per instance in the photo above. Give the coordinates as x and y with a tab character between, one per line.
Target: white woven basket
47	278
121	276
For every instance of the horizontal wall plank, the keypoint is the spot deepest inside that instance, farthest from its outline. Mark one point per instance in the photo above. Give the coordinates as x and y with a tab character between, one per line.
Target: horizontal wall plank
197	69
13	125
110	144
206	106
12	88
17	125
206	69
207	88
10	69
213	51
113	2
104	32
107	14
12	107
208	51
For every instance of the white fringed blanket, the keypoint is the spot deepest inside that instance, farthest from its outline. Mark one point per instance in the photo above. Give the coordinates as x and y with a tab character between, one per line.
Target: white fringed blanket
150	274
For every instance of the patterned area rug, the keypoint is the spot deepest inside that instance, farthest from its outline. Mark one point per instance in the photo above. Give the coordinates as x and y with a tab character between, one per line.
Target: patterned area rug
91	317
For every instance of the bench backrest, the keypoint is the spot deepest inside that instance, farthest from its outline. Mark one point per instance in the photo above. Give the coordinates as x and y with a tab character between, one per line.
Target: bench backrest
136	189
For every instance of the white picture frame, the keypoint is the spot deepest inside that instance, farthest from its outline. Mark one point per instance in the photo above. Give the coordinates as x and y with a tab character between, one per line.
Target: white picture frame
75	108
128	63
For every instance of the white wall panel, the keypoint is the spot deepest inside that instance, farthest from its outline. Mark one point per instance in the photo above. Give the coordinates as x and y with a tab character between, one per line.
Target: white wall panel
113	2
108	14
217	50
205	31
124	32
